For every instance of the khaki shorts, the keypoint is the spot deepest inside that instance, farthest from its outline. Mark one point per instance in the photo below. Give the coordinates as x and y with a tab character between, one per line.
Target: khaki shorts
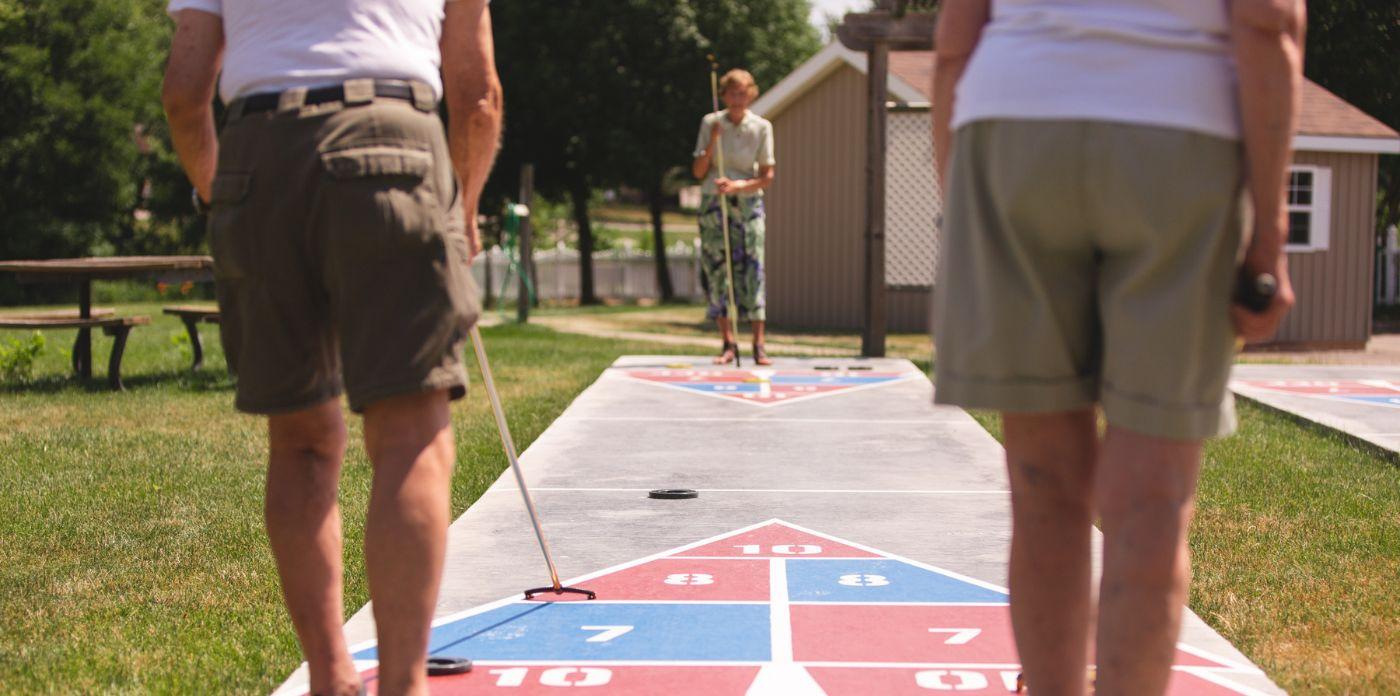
1090	262
340	259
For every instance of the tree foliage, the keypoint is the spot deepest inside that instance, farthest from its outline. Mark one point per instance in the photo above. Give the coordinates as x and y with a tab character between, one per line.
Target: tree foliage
1353	49
609	94
83	142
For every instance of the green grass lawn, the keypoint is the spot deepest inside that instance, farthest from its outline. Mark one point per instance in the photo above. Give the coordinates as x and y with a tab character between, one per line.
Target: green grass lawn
132	556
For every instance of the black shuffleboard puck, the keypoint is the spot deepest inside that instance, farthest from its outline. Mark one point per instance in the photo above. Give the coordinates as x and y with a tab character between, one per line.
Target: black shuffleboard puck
673	493
443	666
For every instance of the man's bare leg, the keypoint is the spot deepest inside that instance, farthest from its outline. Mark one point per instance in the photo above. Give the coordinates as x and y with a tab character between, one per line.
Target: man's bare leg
1051	459
303	526
1146	488
409	439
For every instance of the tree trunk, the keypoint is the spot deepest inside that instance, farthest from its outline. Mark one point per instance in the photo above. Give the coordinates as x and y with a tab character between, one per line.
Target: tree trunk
658	235
579	193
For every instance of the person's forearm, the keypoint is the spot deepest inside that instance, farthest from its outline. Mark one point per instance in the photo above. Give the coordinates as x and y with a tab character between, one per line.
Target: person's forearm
187	93
196	143
474	135
945	79
701	166
959	30
1268	48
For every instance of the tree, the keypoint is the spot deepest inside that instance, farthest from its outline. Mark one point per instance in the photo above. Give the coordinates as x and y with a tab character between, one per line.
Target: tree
1352	51
82	136
606	94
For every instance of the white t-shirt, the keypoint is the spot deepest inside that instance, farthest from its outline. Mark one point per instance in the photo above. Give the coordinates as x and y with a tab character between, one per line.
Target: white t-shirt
1152	62
274	45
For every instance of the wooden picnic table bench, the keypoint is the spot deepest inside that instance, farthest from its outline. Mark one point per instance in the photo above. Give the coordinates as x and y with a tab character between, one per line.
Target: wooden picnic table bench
193	315
83	271
116	327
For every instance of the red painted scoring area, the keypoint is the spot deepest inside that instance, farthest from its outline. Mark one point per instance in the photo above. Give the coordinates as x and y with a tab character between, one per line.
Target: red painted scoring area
871	633
535	680
777	541
742	376
1323	387
899	681
683	579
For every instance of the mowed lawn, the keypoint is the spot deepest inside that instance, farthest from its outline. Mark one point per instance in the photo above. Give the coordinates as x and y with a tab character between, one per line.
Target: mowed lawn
132	556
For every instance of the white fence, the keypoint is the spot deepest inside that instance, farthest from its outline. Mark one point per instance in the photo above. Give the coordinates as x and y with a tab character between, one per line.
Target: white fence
1388	269
618	274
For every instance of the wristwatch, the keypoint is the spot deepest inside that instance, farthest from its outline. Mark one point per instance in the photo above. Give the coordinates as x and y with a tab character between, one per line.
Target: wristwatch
200	207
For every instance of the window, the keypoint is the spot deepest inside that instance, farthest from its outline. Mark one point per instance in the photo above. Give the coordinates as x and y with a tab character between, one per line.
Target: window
1309	207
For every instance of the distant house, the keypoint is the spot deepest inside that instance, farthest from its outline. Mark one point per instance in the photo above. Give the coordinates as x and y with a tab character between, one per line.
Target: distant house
816	222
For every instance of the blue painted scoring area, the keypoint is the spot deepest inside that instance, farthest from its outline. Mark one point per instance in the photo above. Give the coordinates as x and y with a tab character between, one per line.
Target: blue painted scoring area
1380	399
878	580
554	631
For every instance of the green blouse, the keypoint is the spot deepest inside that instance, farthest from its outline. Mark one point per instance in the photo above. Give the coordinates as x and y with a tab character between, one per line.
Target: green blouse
747	146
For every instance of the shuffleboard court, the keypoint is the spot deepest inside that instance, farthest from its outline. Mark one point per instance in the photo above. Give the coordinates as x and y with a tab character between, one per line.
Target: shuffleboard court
849	544
1363	402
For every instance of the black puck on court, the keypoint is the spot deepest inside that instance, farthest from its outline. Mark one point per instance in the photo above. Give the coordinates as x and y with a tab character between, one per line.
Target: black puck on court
443	666
673	493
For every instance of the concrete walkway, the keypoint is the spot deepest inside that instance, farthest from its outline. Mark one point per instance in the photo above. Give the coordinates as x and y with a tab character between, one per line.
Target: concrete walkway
849	538
1363	402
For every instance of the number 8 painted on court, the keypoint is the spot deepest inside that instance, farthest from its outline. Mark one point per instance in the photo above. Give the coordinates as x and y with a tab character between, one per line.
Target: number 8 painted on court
690	579
863	580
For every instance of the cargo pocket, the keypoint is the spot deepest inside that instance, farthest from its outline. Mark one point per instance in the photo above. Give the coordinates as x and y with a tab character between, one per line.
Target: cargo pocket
232	255
381	195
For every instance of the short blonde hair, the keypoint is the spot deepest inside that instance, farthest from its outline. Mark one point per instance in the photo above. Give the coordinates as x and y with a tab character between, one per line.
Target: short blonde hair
740	78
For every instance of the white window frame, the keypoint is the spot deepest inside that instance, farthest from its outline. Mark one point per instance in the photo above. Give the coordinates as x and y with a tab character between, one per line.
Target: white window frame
1319	211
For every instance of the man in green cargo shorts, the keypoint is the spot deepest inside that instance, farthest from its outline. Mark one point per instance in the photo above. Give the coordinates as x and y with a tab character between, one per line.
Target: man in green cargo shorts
1093	215
342	220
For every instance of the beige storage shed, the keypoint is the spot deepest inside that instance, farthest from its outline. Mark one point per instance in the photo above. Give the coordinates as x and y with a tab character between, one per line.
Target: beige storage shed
815	205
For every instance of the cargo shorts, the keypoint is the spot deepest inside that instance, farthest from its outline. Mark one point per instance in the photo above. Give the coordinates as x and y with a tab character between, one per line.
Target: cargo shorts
340	256
1088	262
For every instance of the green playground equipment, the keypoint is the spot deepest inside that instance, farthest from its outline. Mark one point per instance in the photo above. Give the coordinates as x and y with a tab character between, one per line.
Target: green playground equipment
515	263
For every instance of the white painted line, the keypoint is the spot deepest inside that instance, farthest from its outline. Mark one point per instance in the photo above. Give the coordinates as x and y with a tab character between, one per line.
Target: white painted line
1208	655
762	419
780	617
872	491
1215	677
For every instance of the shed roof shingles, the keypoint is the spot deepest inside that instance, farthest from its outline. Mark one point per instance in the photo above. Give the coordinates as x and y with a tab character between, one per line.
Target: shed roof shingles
1321	112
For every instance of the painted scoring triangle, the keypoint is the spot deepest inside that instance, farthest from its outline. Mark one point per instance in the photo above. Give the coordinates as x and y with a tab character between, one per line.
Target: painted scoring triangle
777	540
696	619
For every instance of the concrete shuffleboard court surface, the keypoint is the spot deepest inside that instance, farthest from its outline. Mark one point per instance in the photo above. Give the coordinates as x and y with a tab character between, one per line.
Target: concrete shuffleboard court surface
1361	401
849	538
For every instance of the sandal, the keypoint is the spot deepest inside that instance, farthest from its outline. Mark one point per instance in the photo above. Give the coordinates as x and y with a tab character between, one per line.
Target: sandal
729	353
760	356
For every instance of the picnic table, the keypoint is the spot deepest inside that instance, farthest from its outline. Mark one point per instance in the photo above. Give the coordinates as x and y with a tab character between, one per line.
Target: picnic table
82	271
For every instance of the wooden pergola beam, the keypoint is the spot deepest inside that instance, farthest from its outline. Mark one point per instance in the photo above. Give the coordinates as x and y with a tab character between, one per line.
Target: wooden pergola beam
877	33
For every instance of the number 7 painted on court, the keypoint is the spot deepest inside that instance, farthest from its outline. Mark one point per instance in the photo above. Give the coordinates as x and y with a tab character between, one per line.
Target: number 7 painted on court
608	632
960	636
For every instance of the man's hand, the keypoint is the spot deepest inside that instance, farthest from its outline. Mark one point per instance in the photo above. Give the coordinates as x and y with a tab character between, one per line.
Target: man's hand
196	54
474	102
730	186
